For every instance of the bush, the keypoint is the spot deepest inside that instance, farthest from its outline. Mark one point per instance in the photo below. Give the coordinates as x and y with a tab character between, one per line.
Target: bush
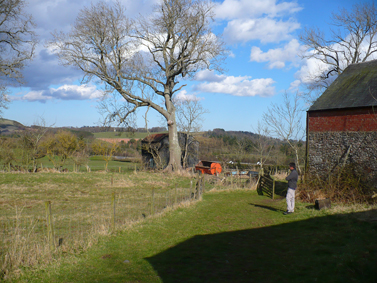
348	185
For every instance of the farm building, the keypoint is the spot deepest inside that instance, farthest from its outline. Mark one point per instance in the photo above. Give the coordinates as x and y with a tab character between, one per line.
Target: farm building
342	123
155	150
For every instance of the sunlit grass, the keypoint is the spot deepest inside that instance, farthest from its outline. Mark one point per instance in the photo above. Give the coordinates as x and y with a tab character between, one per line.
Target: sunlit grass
82	205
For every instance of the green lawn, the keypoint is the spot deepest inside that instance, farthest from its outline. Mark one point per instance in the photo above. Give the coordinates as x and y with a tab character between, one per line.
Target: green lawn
232	236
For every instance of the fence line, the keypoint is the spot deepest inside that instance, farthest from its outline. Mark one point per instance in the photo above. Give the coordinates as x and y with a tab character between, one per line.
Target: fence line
28	239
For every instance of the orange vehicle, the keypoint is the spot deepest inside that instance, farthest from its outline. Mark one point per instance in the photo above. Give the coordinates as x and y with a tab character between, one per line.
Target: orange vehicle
208	167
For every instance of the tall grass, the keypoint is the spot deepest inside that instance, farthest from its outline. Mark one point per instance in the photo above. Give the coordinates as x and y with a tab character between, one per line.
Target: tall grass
83	206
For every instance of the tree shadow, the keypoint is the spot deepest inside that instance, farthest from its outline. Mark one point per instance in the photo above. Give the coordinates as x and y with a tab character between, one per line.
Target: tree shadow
337	248
266	207
312	206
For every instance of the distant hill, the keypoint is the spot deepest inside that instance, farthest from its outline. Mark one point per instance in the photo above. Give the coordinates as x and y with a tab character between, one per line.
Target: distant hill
8	127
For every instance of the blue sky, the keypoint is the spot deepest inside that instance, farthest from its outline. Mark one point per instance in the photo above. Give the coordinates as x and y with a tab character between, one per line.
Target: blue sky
262	36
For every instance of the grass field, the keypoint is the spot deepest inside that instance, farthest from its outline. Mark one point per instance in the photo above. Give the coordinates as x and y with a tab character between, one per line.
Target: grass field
232	236
84	206
95	163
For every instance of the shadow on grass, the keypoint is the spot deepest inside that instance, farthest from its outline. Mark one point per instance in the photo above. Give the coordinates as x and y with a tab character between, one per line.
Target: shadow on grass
267	207
336	248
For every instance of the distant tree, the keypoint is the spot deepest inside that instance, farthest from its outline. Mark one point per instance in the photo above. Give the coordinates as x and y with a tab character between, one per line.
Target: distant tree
105	150
60	147
3	99
7	154
142	60
189	120
284	121
353	39
262	144
31	140
81	155
17	43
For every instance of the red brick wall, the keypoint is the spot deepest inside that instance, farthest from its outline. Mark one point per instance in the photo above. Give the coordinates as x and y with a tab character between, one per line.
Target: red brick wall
352	120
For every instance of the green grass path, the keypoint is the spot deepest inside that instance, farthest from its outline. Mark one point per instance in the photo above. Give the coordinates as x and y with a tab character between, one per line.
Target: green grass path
230	237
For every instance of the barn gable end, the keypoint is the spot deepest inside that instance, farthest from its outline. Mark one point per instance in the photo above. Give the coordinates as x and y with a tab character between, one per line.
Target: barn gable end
342	123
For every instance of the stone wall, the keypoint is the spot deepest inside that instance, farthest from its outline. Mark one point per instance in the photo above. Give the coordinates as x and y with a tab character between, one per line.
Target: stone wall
327	150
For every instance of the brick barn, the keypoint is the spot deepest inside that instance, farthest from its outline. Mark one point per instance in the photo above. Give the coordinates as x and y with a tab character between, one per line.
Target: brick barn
342	123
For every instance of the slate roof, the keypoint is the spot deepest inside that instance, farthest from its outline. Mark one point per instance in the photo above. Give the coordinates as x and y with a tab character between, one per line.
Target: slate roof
355	87
155	137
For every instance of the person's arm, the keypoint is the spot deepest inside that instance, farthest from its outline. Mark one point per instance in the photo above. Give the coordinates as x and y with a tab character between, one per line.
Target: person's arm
290	176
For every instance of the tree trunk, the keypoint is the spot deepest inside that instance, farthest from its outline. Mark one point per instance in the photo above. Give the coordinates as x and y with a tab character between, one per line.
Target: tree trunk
174	148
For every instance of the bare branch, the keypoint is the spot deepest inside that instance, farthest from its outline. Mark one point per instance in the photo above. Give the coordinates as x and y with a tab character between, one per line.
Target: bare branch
142	60
353	40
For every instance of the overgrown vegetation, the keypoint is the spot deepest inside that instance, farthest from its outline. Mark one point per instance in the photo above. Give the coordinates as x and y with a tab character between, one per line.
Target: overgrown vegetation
349	184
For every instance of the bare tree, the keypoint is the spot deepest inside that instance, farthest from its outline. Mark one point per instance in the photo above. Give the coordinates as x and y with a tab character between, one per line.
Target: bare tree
189	120
105	150
285	122
173	42
60	147
352	40
261	143
17	42
31	140
3	99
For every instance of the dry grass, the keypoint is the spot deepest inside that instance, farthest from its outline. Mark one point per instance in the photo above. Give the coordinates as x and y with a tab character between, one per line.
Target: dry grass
279	176
224	184
82	211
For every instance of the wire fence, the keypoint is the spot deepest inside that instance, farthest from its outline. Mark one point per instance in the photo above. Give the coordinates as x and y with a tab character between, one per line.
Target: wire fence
54	228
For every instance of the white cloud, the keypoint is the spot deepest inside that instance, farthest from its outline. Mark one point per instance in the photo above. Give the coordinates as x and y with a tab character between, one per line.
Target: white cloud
265	30
277	58
184	96
263	20
295	85
65	92
209	76
233	9
237	86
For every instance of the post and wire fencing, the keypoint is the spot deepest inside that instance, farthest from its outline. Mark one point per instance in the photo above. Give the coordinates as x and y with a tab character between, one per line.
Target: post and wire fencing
33	235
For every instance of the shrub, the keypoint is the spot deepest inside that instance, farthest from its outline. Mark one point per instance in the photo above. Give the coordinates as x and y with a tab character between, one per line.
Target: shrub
350	184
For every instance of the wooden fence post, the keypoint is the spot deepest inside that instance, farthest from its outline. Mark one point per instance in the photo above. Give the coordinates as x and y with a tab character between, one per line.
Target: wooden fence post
50	229
152	202
273	189
113	211
202	184
175	196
